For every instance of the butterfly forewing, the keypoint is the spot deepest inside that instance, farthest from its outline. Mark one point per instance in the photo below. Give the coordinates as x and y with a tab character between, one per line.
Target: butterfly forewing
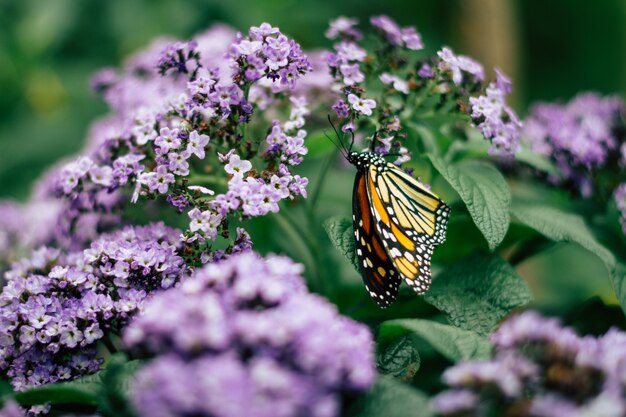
410	221
378	272
418	204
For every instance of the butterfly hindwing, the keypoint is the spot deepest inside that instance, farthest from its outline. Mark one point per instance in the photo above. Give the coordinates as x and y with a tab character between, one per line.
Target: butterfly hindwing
379	275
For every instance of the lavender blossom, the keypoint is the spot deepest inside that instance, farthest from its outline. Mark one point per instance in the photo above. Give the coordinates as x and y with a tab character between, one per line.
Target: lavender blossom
495	119
176	106
254	339
56	307
540	369
580	137
461	67
407	37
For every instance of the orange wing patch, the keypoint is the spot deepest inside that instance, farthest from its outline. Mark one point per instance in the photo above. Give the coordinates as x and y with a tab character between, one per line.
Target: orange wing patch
377	270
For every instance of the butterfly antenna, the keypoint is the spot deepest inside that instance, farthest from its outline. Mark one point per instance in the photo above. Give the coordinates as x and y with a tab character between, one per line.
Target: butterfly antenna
345	151
341	150
373	144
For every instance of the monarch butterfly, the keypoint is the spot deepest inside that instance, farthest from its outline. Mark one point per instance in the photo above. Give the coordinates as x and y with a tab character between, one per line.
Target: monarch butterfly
397	224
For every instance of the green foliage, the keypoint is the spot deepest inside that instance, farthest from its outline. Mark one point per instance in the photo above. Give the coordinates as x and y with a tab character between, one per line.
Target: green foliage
341	235
400	360
391	398
561	226
105	392
537	161
477	292
83	391
485	193
452	342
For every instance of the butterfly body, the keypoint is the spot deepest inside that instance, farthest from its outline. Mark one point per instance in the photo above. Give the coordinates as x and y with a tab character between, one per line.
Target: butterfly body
397	224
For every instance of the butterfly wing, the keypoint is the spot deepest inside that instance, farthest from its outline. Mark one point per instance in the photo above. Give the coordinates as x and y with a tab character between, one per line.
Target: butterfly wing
379	275
410	220
412	207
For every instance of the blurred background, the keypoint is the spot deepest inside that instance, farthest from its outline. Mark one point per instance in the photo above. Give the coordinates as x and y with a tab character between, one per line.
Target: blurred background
49	49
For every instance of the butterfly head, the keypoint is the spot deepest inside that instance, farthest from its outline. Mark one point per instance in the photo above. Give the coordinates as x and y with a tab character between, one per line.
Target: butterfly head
363	160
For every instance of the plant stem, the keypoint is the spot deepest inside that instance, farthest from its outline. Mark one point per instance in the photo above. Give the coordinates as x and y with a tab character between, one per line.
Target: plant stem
109	344
320	180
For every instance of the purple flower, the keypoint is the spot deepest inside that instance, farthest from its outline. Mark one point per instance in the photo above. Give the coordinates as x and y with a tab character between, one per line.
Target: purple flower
389	28
543	367
397	83
426	71
580	136
407	37
341	108
253	339
57	307
343	27
495	119
350	51
361	105
167	139
197	143
459	64
351	74
412	39
455	402
182	57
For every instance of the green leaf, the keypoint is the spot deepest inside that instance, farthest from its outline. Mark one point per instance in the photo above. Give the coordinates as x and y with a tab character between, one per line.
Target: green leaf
82	391
453	343
536	161
477	292
618	279
105	390
399	360
340	232
116	384
427	137
562	226
485	193
391	398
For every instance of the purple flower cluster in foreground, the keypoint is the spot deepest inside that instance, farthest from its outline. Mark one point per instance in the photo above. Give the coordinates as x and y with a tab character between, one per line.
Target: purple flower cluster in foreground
244	337
56	307
459	82
581	137
540	369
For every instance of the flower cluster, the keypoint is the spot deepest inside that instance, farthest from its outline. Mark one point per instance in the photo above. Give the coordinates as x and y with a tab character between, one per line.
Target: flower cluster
268	53
254	341
489	110
540	369
581	137
45	219
495	119
412	86
11	409
351	73
184	129
55	307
